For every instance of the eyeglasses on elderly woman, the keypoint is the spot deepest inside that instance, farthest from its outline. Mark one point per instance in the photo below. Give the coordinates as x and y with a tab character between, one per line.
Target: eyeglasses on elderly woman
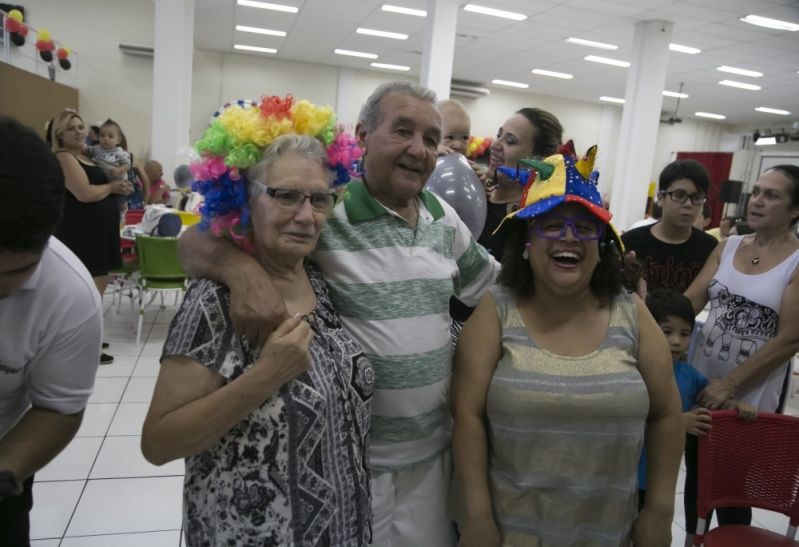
553	227
322	202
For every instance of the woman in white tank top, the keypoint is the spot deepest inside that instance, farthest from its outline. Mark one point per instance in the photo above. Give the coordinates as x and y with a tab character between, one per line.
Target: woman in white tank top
752	283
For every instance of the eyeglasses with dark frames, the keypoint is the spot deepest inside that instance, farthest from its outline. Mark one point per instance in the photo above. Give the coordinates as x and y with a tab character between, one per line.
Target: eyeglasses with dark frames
322	202
681	196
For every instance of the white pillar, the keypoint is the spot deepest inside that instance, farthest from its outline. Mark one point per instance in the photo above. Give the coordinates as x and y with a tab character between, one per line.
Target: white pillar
608	125
639	121
438	53
172	73
344	111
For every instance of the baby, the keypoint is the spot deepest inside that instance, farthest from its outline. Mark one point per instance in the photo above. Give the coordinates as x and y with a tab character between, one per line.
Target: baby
111	157
455	127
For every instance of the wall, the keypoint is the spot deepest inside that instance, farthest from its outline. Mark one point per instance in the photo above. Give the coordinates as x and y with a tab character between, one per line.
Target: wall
120	86
109	83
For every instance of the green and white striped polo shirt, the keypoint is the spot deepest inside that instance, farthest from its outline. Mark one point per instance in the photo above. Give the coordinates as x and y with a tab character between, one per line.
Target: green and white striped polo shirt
391	283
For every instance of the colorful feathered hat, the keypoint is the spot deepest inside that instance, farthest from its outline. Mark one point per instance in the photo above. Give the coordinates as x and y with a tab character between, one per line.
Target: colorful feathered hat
558	179
235	140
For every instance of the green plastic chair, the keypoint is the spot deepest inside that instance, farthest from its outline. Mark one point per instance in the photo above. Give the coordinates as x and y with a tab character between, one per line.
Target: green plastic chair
159	271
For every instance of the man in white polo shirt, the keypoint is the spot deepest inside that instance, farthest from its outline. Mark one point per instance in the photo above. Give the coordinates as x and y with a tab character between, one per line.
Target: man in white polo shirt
392	254
50	325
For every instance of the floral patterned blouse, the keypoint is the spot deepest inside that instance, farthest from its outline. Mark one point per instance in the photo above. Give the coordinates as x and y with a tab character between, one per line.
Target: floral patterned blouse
294	472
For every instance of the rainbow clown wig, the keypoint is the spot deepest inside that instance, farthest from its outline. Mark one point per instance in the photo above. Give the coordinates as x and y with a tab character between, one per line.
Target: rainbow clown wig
235	140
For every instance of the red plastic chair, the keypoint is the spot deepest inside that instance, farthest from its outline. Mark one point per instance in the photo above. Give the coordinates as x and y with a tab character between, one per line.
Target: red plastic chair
749	465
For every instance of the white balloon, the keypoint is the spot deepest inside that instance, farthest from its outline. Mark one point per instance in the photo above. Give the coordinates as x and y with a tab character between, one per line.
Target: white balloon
454	181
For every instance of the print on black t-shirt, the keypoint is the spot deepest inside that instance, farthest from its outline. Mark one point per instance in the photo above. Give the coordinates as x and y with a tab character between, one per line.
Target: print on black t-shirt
667	265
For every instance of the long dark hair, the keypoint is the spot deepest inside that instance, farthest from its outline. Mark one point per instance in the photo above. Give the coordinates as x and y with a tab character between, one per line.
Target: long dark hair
548	131
610	277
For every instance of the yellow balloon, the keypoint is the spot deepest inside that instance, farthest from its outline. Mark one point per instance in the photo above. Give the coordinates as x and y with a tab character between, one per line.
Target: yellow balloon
16	15
43	34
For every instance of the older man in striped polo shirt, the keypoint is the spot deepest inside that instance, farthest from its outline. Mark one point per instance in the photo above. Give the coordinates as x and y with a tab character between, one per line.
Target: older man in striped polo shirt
393	254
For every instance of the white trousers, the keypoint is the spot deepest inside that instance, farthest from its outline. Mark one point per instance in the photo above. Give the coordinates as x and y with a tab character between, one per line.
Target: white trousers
410	505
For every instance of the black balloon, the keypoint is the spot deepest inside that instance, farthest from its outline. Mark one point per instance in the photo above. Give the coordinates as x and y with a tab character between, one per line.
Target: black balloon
17	39
46	56
65	64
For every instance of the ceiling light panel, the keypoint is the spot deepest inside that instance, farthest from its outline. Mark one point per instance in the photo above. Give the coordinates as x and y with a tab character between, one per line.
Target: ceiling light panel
552	74
606	61
710	115
740	85
591	43
768	110
740	71
258	30
611	100
391	8
675	94
381	33
508	83
351	53
401	68
483	10
254	48
770	23
679	48
267	5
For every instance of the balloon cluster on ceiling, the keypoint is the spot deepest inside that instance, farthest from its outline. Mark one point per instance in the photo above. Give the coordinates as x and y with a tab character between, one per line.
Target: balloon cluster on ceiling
45	45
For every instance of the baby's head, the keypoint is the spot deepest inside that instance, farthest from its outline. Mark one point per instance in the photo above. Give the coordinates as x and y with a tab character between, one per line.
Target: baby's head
110	135
154	170
455	125
675	315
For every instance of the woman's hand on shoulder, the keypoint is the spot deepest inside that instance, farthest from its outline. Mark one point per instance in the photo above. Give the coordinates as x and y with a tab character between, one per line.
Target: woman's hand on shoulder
285	355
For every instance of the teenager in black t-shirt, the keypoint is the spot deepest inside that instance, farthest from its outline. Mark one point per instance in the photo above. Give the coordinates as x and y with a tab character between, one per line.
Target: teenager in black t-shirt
673	251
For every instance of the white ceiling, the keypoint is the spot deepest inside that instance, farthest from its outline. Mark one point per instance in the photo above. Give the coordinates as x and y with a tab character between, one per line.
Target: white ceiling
489	47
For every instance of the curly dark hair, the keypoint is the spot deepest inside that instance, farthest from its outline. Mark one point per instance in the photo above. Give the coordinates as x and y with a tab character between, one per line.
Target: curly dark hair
611	275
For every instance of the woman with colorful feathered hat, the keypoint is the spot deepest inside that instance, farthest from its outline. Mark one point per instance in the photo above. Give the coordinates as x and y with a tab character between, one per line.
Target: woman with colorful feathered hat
274	435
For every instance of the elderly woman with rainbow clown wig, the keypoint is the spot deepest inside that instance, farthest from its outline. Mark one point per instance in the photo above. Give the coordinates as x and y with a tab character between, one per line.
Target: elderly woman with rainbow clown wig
558	373
274	435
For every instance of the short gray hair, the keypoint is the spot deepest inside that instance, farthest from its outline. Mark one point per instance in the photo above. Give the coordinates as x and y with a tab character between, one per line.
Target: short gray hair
370	111
303	145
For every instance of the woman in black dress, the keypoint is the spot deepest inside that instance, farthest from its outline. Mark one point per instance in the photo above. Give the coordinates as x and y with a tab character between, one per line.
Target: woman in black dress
90	224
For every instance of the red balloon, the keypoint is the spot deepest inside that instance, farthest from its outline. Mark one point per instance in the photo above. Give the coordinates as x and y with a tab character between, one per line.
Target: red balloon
45	45
12	25
62	54
23	29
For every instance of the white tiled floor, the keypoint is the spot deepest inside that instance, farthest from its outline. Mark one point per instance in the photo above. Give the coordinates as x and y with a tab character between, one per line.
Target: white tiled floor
101	492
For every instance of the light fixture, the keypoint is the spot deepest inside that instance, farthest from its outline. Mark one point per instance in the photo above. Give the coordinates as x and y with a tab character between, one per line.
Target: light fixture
766	141
710	115
606	61
552	74
675	94
739	71
474	8
381	33
684	49
387	66
768	110
591	43
508	83
770	23
258	30
740	85
267	5
355	53
404	11
611	100
255	48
